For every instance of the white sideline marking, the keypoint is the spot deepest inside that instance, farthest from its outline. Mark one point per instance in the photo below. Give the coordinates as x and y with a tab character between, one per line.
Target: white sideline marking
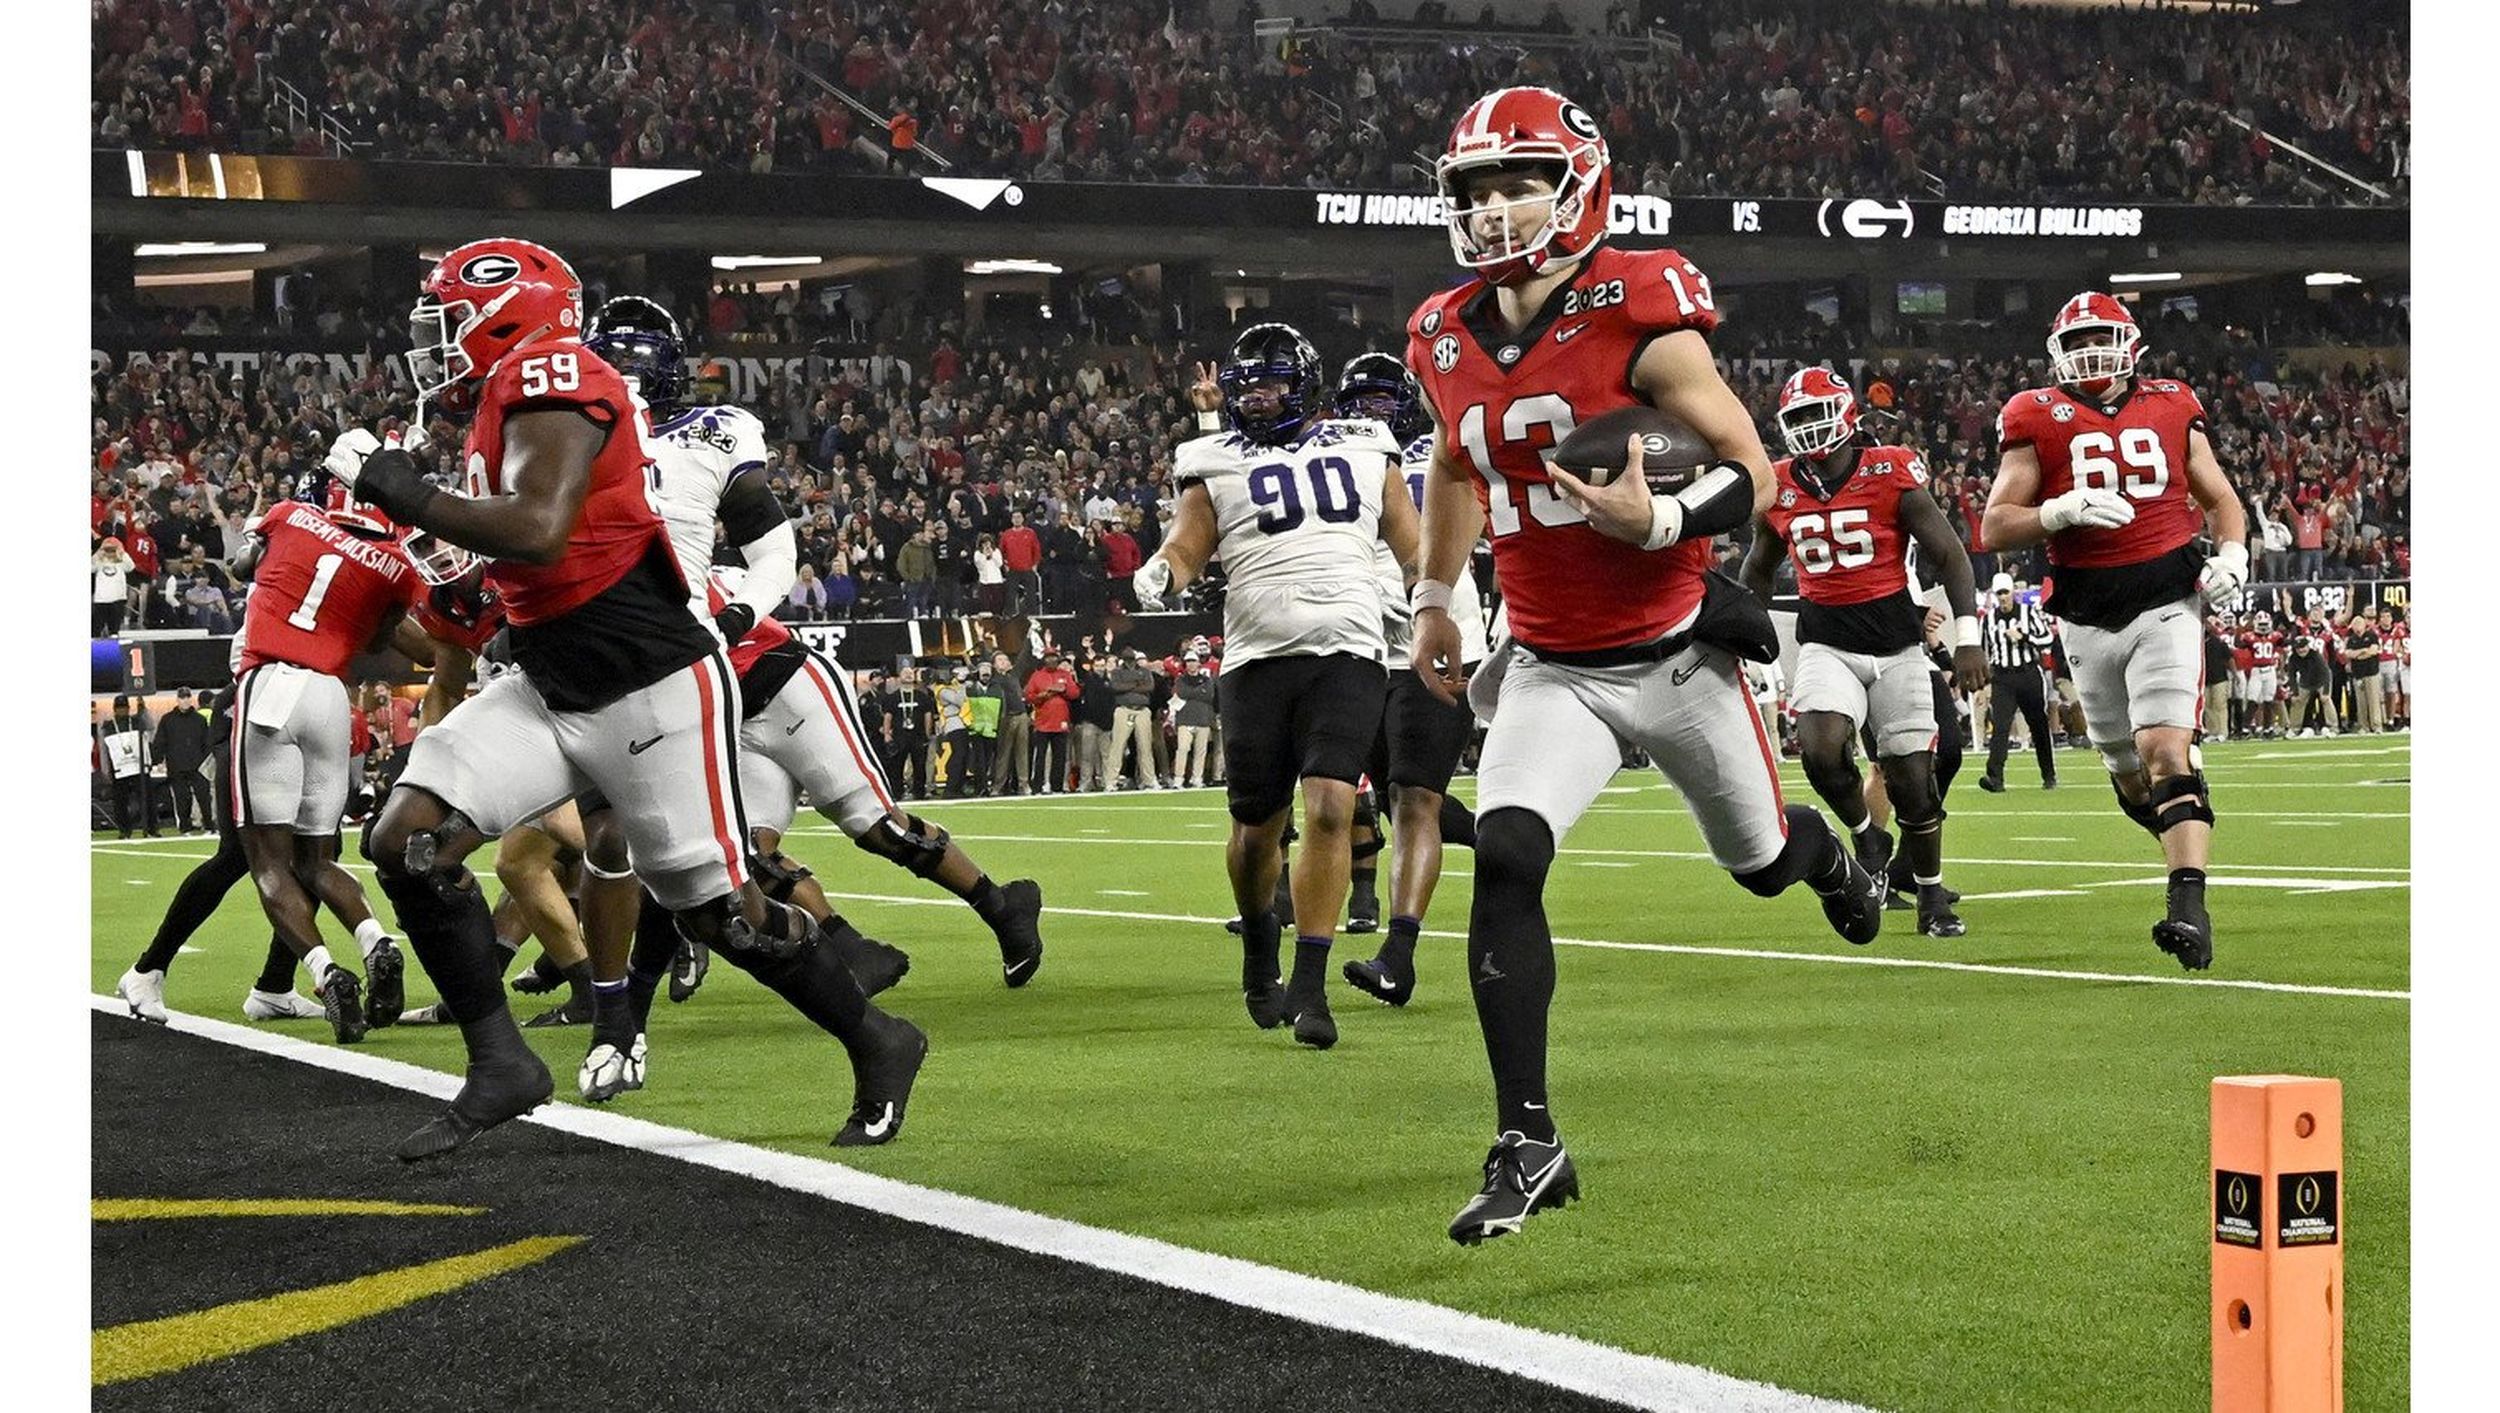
2296	885
1560	1361
2042	839
1758	954
1123	893
2025	893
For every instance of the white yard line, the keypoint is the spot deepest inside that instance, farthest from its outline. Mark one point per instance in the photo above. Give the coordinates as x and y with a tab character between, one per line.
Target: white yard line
1600	1371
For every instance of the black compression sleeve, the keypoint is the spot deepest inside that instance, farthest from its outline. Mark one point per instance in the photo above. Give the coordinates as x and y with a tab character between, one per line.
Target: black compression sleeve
747	508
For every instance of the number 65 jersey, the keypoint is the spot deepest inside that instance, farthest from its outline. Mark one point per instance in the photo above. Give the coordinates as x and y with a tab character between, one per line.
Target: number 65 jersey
1295	526
2137	446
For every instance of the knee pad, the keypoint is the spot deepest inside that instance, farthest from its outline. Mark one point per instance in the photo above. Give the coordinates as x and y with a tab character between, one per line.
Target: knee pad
777	874
1366	809
1807	836
786	931
2121	757
2177	800
1833	776
1927	822
424	846
2142	814
1367	850
916	844
1514	849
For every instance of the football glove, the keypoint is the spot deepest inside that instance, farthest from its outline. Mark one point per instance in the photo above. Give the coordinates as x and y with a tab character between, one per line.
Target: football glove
348	451
2224	575
735	621
1153	583
390	481
2082	508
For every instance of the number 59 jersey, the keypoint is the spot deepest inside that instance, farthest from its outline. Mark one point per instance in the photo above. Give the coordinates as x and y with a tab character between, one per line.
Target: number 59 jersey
1295	526
2137	446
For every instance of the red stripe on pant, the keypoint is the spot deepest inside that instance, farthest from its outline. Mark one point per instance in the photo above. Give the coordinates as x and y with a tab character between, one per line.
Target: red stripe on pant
842	723
733	854
1770	761
237	730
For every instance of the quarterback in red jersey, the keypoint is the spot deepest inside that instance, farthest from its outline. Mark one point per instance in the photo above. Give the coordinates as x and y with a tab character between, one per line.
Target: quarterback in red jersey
1847	512
623	690
1618	636
327	584
2117	475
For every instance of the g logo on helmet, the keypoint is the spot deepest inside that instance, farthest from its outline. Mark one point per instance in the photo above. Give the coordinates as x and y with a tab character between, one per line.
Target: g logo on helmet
1577	119
492	268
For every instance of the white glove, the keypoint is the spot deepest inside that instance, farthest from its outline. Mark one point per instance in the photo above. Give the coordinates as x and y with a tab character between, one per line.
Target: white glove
2086	509
348	451
2224	575
1152	582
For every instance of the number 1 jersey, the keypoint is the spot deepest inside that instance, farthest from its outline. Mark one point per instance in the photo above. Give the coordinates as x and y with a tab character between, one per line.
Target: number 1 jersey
2137	446
321	592
1295	526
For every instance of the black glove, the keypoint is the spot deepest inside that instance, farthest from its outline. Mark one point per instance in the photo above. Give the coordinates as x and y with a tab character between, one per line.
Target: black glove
391	483
734	622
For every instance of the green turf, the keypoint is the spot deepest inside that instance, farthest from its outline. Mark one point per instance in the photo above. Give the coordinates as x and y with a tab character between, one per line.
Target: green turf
1914	1188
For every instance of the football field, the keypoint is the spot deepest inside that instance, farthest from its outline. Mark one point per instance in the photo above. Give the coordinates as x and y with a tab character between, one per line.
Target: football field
1925	1174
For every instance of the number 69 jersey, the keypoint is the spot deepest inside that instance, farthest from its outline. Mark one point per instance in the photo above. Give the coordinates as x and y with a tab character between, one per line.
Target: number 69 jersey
1504	402
2137	446
1295	527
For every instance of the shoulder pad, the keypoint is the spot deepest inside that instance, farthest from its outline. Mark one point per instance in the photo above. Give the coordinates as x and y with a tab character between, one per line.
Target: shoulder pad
1354	434
1204	458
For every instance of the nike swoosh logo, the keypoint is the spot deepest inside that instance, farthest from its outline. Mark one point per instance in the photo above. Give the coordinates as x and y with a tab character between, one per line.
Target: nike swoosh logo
1683	675
1011	971
1538	1179
1567	335
1386	984
794	728
884	1121
1538	1107
2171	617
638	747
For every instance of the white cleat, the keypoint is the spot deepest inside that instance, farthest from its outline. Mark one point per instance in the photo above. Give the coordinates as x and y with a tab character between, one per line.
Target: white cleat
281	1005
145	991
608	1072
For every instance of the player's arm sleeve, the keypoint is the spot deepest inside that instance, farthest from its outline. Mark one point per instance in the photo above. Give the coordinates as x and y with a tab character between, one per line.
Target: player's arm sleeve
757	525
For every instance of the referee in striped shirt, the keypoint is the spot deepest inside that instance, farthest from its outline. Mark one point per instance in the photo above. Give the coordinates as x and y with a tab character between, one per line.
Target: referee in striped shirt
2014	634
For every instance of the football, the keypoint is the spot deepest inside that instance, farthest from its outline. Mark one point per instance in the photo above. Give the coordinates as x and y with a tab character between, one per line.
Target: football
1671	453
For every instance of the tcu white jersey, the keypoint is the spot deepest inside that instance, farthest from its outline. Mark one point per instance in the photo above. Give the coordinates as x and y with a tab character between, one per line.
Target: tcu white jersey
1295	526
1466	605
698	452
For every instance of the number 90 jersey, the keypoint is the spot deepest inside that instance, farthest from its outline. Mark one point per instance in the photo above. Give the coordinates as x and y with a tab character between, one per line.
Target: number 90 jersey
1295	527
2137	446
1505	402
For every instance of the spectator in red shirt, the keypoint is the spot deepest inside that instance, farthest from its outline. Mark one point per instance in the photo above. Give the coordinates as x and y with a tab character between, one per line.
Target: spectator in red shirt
1121	559
1022	549
1052	692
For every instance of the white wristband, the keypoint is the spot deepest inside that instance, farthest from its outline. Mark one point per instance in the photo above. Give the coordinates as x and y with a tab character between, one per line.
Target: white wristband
1966	632
1430	593
1210	422
1666	522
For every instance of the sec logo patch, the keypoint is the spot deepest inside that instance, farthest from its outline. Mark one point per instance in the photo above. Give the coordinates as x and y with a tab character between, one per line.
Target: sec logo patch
1445	352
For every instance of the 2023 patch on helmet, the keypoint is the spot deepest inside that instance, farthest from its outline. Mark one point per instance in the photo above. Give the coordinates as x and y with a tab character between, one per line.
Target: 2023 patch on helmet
2093	367
1265	354
640	340
1379	385
1817	412
1527	127
480	302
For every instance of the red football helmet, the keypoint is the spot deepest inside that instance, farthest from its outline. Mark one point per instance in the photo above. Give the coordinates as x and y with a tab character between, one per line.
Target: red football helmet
480	302
340	504
1817	411
2093	368
438	560
1526	127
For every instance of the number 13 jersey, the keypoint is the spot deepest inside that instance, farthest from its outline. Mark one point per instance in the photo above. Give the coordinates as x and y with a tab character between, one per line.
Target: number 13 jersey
1295	526
1504	402
2137	446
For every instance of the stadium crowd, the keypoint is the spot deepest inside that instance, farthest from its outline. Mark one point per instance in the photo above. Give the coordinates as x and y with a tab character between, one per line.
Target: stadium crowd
1754	97
978	474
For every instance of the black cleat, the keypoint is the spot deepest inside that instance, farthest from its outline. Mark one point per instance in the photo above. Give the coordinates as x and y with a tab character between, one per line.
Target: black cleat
574	1010
341	1003
1856	908
1383	979
1521	1179
1266	1002
1992	784
1939	920
542	977
882	1087
2188	933
1312	1024
1896	901
1874	849
687	969
489	1097
1019	931
1363	910
875	965
386	993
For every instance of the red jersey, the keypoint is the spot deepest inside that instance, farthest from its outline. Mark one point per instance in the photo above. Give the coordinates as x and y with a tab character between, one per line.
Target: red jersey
2398	639
321	592
1508	401
1852	556
2137	446
2243	657
2264	649
618	524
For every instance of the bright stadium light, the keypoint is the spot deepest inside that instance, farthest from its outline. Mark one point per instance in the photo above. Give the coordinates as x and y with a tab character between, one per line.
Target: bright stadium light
761	262
2330	277
2151	277
199	247
1011	267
